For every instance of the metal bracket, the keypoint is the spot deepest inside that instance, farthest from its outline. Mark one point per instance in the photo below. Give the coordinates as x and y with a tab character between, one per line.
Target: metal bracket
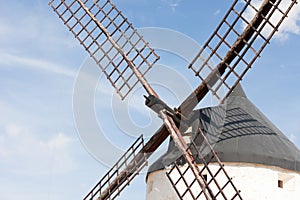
158	105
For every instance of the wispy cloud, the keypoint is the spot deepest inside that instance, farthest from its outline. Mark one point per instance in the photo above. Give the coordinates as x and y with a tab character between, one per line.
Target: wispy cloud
13	60
173	4
31	37
26	27
217	12
28	40
19	146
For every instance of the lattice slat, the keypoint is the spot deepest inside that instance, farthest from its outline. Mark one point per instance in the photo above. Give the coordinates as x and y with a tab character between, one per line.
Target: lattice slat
108	37
237	42
216	179
121	174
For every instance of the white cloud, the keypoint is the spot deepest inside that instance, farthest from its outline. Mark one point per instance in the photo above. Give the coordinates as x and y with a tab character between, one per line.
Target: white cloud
291	25
23	152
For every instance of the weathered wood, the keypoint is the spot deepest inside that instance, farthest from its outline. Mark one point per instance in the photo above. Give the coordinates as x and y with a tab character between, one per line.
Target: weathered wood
155	141
194	98
199	93
187	154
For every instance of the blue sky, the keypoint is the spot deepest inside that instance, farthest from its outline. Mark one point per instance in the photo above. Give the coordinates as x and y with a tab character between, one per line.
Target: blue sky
41	155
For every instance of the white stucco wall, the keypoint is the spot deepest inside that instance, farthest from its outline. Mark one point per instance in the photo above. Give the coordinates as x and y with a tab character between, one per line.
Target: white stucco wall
254	181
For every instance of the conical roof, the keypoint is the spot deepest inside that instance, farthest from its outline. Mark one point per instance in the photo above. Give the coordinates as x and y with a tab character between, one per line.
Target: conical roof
239	133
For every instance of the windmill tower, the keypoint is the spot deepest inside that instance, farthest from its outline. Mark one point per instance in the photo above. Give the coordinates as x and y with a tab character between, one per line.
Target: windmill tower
264	163
125	58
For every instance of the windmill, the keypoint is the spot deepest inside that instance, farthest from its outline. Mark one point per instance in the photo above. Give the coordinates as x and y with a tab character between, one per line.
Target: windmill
125	58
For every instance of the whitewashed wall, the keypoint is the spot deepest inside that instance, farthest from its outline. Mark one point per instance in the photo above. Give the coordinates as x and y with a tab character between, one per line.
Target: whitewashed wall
255	182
